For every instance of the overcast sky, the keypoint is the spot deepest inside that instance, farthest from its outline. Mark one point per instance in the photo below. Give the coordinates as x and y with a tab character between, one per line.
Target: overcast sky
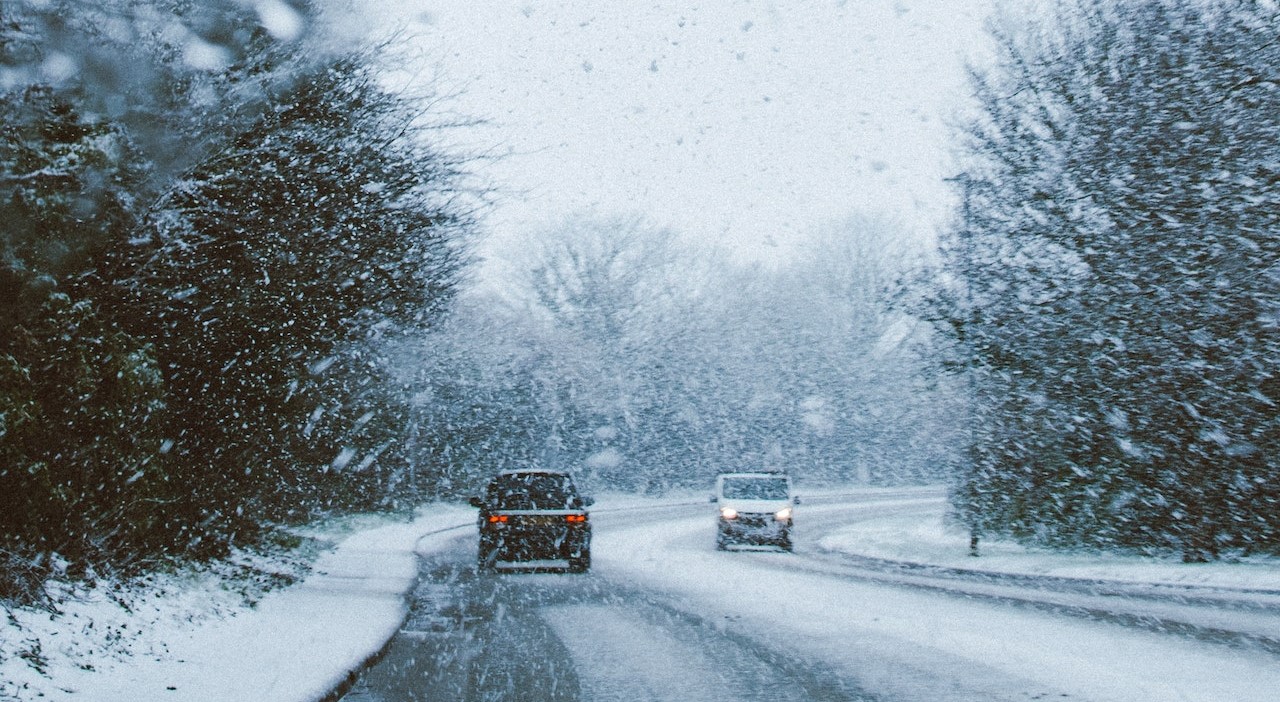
744	123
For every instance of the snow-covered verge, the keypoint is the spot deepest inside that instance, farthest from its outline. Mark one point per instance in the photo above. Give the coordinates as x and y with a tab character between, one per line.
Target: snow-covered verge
200	635
922	536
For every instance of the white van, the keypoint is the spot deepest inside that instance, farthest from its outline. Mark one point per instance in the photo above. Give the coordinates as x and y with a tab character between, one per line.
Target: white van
754	508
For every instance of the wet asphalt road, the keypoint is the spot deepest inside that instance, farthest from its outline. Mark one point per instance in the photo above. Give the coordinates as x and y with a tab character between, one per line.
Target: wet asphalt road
557	636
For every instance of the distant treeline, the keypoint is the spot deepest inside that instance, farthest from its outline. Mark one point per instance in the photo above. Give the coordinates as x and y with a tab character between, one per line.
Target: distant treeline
619	350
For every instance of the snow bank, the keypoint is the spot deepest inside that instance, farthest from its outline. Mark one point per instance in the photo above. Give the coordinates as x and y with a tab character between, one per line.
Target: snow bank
920	536
295	645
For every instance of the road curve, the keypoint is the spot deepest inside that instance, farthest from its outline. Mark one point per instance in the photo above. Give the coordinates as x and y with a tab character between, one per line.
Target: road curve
664	616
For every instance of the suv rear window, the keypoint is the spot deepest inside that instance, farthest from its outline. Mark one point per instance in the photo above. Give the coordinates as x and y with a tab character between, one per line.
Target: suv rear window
532	491
755	488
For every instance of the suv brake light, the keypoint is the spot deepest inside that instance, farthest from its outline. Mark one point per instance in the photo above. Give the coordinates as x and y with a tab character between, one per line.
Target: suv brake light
575	518
495	518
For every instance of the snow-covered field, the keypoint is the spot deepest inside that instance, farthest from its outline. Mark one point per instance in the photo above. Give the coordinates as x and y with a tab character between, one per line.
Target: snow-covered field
191	641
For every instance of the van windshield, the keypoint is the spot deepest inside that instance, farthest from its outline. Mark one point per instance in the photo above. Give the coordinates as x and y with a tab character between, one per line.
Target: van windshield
762	488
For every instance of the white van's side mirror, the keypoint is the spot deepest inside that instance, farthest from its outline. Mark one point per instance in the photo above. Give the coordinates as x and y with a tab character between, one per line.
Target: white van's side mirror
713	498
795	499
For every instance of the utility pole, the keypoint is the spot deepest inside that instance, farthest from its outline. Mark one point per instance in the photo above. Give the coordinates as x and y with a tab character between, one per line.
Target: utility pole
966	183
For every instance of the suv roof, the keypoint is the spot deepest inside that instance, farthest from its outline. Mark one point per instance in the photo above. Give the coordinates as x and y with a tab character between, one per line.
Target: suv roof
532	489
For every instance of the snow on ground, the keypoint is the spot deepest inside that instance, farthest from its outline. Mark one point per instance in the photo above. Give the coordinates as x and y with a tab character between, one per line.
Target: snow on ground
599	637
188	639
195	641
908	537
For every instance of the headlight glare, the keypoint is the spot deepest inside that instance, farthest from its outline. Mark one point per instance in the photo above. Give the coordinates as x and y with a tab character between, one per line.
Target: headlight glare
783	514
728	513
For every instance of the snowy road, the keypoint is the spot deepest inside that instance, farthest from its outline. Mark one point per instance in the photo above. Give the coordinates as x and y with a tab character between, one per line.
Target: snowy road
663	616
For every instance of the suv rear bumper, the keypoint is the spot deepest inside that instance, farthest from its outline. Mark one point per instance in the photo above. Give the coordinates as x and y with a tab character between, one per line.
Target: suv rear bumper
517	542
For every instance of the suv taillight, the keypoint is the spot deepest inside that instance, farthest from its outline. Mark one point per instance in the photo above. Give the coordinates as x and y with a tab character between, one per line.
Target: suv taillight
575	518
495	518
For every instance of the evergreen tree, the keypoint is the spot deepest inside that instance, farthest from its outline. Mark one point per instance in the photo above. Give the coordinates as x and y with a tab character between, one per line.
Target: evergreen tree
1115	297
273	273
81	401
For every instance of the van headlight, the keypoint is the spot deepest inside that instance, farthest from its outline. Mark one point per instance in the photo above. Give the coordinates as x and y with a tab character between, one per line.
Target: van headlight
728	513
783	515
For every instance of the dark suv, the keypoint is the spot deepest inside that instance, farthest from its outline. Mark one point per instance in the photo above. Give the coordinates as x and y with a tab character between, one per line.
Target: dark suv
533	515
